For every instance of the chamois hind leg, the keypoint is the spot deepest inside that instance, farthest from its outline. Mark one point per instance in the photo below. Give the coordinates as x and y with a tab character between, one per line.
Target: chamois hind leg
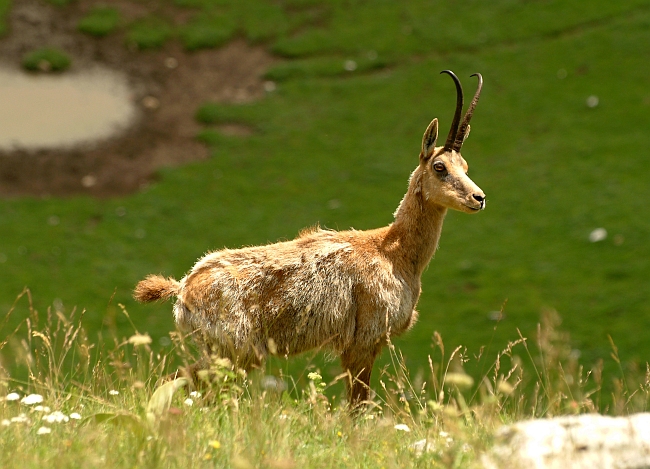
190	372
357	362
247	359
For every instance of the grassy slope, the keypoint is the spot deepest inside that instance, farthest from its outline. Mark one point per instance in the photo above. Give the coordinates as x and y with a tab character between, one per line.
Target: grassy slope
553	170
116	419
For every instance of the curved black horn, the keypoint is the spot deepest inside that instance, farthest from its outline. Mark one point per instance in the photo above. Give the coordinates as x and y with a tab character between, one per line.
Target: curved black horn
459	108
460	136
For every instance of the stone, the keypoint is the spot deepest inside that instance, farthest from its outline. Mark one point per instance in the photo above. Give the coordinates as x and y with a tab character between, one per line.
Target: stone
589	441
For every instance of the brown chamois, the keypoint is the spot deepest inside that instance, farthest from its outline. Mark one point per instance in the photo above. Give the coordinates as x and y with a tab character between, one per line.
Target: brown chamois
344	291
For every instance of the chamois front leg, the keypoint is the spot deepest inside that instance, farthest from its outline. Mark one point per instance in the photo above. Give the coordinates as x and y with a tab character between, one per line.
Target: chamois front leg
357	362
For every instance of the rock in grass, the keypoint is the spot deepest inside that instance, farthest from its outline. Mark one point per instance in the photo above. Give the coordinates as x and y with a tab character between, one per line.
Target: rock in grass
578	442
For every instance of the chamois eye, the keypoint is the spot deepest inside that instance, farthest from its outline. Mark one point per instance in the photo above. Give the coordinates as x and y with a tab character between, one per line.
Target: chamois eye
439	166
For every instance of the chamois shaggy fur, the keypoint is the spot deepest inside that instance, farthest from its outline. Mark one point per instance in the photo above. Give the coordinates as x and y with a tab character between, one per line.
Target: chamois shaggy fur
343	291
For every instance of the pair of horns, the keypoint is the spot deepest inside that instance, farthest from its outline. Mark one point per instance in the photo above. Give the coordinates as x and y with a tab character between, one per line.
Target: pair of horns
457	132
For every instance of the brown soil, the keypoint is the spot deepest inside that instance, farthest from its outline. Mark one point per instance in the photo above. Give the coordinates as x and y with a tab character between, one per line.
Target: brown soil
169	85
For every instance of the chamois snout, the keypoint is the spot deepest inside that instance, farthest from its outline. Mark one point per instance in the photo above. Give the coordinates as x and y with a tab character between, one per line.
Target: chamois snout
480	199
474	203
465	194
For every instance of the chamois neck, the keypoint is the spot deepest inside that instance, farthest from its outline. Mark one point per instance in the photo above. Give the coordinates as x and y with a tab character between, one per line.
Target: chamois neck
412	238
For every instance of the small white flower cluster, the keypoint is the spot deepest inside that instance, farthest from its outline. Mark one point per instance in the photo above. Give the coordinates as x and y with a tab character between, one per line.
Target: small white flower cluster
56	417
189	401
22	418
47	417
446	438
32	399
427	446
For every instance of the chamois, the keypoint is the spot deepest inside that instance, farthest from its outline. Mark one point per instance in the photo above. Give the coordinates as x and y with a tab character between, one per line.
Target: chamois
345	291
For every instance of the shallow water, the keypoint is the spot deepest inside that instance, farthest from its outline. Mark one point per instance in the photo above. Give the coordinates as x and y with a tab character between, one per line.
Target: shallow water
54	111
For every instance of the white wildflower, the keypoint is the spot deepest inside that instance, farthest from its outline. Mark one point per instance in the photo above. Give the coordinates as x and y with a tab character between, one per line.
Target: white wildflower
195	394
5	422
12	396
32	399
402	427
114	392
22	418
188	402
422	446
75	416
42	408
43	431
56	417
447	439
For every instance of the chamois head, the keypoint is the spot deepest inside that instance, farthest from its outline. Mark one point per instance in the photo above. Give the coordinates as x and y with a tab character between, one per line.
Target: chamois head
443	169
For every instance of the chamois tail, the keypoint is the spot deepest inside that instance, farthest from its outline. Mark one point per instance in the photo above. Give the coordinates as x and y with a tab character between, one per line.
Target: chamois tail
156	287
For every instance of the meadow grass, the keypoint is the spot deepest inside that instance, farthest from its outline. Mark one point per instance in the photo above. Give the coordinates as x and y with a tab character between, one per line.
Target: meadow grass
46	59
4	10
335	145
71	400
100	21
148	33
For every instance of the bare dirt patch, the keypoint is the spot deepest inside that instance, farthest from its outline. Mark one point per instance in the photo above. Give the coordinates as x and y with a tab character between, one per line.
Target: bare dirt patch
168	85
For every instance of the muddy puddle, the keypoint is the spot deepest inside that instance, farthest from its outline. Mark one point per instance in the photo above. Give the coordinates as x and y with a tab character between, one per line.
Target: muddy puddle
50	111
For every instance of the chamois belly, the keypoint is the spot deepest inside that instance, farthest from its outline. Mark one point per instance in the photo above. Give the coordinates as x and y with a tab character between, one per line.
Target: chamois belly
238	300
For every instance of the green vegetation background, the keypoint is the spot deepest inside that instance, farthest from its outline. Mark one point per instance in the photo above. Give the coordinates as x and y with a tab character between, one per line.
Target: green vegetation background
335	147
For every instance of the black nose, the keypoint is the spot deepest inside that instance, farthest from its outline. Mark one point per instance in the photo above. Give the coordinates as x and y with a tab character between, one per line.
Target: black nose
480	199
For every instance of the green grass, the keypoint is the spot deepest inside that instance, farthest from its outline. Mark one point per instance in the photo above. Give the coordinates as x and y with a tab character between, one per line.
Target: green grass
148	33
46	59
326	66
207	31
99	404
4	10
552	167
60	3
100	22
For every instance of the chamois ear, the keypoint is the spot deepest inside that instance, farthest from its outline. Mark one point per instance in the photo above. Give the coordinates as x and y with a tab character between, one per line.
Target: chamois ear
429	139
